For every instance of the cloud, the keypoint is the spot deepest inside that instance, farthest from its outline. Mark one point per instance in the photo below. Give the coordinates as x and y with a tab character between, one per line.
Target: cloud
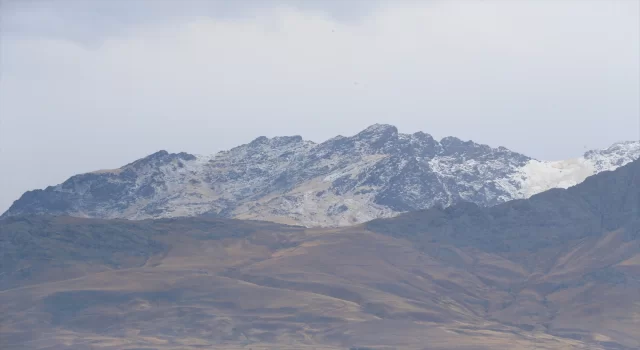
91	22
96	84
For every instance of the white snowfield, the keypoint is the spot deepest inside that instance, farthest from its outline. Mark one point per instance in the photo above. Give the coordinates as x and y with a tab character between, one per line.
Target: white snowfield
538	176
343	181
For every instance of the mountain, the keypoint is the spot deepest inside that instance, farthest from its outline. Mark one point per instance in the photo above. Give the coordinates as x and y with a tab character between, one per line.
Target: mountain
560	270
345	180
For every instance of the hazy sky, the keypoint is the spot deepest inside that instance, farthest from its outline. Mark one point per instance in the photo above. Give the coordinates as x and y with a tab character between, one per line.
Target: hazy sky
86	85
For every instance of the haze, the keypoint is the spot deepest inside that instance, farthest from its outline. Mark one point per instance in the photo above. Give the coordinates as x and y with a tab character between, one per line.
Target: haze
91	85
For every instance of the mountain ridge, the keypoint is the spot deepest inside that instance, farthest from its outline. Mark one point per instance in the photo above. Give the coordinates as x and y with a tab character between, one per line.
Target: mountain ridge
376	173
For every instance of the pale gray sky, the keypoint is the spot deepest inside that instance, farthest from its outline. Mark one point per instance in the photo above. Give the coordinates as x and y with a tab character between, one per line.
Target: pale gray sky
86	85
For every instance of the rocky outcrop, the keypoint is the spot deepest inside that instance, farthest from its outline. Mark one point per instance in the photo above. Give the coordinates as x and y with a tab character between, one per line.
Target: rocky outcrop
345	180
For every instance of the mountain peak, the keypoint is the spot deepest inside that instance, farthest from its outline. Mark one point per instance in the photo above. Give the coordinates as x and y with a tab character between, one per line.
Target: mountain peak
160	157
620	146
275	142
375	173
260	140
377	135
616	155
379	128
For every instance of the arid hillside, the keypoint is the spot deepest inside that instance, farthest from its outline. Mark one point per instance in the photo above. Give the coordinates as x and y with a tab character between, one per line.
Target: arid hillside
560	270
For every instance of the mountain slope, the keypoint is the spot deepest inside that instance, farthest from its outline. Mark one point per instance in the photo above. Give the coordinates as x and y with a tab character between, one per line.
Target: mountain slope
604	202
345	180
560	270
578	250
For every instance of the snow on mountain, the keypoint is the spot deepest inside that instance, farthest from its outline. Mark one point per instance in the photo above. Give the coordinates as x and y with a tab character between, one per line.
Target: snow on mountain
345	180
538	176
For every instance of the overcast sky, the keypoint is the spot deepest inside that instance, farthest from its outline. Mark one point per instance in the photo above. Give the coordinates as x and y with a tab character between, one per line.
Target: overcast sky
87	85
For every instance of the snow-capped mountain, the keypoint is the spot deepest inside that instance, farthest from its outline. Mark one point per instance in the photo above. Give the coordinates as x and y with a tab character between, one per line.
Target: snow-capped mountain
345	180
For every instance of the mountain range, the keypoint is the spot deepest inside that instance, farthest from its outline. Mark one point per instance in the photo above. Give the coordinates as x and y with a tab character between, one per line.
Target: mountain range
343	181
559	270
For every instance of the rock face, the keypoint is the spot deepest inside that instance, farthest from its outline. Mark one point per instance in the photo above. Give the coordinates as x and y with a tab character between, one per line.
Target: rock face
345	180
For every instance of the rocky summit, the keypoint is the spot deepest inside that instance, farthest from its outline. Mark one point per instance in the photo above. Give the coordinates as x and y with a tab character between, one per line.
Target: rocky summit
345	180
